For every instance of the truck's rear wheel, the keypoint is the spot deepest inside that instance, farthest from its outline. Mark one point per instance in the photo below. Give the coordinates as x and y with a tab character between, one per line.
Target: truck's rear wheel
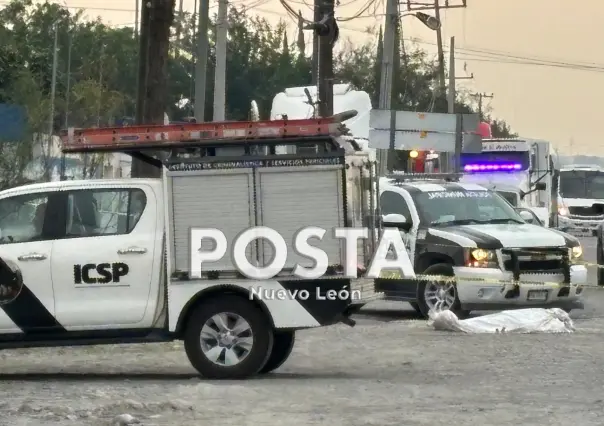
434	294
283	344
228	338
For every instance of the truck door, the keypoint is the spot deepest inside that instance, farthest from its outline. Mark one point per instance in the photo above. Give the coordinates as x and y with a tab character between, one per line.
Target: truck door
103	268
27	232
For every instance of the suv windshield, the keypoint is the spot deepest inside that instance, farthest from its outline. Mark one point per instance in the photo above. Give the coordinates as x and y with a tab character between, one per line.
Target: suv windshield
464	208
582	184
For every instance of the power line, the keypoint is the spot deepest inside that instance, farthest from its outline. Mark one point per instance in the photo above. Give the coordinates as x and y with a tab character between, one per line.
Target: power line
504	61
469	53
494	54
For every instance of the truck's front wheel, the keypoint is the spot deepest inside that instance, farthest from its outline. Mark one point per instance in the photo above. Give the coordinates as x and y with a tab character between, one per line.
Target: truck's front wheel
282	348
438	295
228	338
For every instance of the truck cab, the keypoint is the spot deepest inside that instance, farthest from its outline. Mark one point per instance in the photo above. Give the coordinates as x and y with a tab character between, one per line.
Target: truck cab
581	198
109	261
524	164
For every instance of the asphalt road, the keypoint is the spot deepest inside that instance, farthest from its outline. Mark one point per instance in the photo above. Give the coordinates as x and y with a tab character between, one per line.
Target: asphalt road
391	369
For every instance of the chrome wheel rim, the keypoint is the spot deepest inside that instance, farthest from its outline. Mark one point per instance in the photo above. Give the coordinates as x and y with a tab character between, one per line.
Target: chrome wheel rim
226	339
440	296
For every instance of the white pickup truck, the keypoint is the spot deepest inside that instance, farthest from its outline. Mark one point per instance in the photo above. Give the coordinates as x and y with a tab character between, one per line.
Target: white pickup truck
107	261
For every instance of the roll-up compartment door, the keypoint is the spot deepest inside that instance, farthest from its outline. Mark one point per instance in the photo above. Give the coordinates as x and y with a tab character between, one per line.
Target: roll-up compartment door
292	198
221	199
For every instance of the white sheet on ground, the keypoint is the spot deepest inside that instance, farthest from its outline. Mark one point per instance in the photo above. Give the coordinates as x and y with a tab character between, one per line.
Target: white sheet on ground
532	320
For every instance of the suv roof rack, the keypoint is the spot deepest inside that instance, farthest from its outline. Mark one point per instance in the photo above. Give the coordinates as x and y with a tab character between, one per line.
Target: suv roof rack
409	177
191	135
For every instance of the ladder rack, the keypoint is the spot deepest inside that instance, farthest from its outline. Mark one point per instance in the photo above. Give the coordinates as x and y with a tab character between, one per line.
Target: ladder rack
158	137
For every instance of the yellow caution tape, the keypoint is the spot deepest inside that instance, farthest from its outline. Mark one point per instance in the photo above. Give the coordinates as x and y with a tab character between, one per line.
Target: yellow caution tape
396	275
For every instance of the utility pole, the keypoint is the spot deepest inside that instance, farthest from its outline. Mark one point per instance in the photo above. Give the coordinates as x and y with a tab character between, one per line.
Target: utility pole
326	30
222	29
439	43
201	66
315	46
53	87
67	98
326	64
156	20
451	93
480	97
387	74
387	71
136	16
451	110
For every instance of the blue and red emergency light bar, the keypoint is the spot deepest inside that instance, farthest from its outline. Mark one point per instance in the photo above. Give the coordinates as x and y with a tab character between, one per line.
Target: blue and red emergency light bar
492	167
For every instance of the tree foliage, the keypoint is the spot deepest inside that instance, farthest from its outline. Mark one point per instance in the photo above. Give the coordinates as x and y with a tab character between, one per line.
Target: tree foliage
97	68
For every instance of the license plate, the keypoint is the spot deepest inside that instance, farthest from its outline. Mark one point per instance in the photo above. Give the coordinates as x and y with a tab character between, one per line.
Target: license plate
538	295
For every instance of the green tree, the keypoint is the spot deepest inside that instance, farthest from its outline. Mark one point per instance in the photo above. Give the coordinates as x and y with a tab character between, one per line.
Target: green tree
99	64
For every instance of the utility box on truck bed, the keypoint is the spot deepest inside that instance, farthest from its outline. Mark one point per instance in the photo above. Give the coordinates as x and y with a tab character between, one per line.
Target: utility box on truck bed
285	194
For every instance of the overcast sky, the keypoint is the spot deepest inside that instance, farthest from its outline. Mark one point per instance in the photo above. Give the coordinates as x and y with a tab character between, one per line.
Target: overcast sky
553	103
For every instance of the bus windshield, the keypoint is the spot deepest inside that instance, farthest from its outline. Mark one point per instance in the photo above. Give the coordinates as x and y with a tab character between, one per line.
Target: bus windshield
582	184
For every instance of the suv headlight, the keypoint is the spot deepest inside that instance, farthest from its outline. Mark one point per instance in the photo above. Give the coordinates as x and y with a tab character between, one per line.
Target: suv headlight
562	211
481	258
576	252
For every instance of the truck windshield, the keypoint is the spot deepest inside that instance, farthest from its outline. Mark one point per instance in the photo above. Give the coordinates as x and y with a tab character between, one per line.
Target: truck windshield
582	184
464	208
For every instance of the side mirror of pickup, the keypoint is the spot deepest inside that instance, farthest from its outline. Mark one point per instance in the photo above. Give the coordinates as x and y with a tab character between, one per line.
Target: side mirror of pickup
395	220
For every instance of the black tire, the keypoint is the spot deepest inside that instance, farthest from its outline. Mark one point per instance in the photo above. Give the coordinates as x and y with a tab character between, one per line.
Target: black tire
283	344
260	326
443	269
415	306
600	262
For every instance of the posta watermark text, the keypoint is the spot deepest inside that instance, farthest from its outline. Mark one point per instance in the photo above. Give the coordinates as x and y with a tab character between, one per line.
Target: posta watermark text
317	293
202	259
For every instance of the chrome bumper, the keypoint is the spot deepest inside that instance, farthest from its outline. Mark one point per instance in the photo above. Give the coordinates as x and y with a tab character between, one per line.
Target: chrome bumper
485	288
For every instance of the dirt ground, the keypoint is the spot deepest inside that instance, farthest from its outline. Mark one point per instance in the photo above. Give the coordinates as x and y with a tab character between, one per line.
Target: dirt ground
391	369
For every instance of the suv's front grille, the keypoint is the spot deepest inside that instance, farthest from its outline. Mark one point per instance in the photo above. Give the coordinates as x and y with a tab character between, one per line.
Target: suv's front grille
537	260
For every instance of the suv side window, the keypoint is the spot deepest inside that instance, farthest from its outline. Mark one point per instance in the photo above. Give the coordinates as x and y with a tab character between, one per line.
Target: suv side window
391	202
104	212
22	218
